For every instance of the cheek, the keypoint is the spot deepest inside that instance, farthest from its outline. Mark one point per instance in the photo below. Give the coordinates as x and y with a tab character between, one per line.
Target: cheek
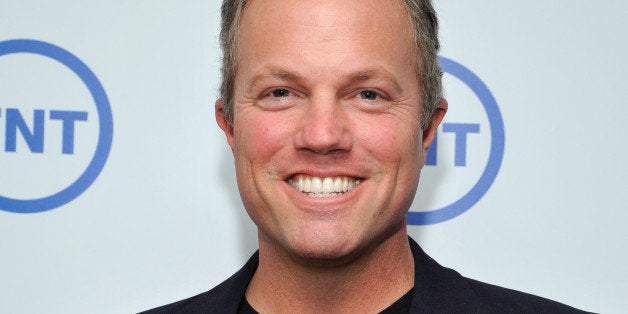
259	135
393	142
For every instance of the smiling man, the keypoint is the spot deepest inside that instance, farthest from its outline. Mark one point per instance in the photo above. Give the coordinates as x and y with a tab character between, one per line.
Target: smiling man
329	108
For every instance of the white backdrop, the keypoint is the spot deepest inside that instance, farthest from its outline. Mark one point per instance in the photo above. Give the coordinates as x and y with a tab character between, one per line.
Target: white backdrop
163	221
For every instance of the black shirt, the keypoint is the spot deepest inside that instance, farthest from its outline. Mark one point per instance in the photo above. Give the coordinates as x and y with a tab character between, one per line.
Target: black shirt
402	305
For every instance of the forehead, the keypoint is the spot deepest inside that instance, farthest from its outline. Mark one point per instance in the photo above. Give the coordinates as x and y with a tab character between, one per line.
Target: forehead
326	34
326	13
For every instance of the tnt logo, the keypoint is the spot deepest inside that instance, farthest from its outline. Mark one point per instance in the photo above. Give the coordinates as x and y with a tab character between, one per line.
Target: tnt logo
56	126
35	138
466	155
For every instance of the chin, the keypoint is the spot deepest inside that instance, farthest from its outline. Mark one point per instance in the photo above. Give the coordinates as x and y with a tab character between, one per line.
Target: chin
325	250
326	259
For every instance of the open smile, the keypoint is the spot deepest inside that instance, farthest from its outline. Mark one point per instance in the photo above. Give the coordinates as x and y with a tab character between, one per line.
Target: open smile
323	187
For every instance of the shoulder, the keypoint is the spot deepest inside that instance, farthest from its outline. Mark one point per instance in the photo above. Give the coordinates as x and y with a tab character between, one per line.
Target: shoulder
207	302
224	298
440	289
495	299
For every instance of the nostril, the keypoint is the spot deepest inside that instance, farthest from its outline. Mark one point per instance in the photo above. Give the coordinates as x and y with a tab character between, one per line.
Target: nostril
323	127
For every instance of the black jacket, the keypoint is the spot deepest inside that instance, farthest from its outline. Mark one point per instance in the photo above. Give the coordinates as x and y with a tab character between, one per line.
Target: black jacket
436	290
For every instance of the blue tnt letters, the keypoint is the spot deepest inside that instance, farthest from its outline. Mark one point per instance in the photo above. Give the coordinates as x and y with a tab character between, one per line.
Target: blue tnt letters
34	139
68	118
461	130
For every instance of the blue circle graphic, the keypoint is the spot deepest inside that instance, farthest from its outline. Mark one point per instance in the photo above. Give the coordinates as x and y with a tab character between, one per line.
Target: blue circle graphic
105	135
494	159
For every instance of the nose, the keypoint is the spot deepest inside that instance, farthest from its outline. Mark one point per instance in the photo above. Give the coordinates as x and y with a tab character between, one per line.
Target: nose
324	127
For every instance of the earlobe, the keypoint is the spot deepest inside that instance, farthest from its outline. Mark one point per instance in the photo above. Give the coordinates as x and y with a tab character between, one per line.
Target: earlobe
225	125
430	132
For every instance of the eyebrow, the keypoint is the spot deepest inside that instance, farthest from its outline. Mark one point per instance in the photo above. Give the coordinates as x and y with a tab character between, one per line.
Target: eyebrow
360	76
377	74
273	72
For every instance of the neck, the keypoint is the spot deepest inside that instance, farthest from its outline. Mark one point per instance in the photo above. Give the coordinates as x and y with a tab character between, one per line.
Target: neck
367	283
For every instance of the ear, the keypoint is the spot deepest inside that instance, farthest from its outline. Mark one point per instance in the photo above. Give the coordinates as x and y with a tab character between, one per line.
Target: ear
222	121
430	133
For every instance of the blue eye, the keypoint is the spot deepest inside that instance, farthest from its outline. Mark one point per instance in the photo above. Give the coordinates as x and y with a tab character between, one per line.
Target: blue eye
280	92
368	94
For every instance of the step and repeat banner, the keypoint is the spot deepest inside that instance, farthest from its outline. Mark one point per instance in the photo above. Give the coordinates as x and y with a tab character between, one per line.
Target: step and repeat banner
118	193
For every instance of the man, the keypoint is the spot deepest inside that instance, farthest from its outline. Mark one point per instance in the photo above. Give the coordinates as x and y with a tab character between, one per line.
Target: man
329	108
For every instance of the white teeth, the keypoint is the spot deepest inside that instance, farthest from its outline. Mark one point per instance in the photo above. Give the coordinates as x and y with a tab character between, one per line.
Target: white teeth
338	184
328	185
345	184
323	187
323	194
317	185
307	182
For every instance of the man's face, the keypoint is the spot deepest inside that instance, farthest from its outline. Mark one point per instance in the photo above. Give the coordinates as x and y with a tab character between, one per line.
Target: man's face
327	138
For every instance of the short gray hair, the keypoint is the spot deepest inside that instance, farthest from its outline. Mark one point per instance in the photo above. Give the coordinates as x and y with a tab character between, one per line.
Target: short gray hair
425	27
